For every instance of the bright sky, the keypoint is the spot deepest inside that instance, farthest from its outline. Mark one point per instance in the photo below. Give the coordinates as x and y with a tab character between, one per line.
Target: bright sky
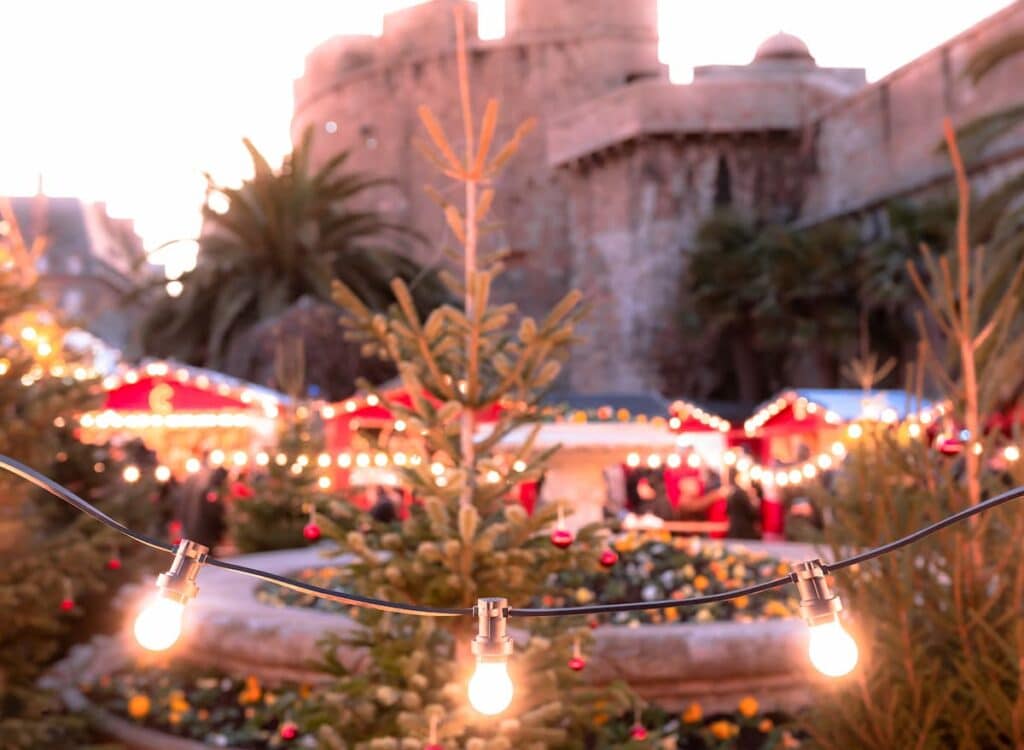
130	102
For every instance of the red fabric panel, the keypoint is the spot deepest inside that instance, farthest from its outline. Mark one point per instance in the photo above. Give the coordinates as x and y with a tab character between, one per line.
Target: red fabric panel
718	511
771	517
186	397
528	496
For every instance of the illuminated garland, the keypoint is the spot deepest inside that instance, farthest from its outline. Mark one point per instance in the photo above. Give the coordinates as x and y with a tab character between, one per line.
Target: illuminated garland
831	650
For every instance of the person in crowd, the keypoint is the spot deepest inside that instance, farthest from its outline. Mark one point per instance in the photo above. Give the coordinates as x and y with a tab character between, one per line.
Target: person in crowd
693	499
385	507
742	507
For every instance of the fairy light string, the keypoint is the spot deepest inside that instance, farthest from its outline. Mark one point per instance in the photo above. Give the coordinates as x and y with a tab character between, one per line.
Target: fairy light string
831	650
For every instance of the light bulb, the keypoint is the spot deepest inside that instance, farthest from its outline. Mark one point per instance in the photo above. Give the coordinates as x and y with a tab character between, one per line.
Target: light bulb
832	650
159	624
490	687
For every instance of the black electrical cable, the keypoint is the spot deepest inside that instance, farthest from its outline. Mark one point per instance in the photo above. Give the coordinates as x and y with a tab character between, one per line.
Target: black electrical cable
71	498
57	490
915	536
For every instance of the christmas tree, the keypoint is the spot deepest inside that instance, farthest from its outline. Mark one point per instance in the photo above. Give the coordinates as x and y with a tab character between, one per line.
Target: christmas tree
276	508
939	623
465	538
57	564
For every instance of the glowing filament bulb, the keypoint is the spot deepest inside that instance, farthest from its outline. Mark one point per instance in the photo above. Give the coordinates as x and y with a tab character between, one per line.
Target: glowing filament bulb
159	624
832	650
490	687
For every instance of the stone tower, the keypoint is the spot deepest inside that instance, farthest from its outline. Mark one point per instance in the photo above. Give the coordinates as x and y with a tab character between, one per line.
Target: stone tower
361	93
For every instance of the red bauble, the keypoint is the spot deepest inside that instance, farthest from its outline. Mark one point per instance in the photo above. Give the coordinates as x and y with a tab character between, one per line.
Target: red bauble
562	538
66	605
288	731
638	732
608	558
593	623
114	563
951	446
311	531
241	490
577	663
211	496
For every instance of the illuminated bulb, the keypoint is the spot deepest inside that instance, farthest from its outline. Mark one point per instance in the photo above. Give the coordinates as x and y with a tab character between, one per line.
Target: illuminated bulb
441	481
400	459
131	474
824	461
44	349
633	460
240	458
693	461
327	412
654	461
1011	453
519	466
809	471
296	469
372	400
756	472
795	476
490	688
162	473
192	465
362	460
493	477
302	460
159	624
728	458
399	425
280	459
323	460
673	461
344	460
217	457
832	650
324	483
782	479
262	458
854	431
28	333
437	468
381	459
838	449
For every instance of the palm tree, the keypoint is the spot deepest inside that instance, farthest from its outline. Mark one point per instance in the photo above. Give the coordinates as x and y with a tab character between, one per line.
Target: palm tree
285	235
724	286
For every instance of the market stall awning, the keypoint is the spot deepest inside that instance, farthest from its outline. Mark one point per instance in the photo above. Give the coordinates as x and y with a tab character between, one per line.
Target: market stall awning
810	409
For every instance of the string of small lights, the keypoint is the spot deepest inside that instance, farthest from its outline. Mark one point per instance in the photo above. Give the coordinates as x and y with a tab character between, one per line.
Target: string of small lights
831	649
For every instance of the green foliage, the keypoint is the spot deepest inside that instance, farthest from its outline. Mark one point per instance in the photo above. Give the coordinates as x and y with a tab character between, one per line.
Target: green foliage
939	622
771	300
939	636
285	235
269	508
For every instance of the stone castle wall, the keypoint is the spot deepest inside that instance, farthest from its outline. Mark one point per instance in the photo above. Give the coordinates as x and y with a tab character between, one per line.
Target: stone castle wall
884	141
607	194
369	90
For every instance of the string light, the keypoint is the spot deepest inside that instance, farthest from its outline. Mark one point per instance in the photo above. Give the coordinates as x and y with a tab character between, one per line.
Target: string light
162	473
131	474
158	625
831	650
490	690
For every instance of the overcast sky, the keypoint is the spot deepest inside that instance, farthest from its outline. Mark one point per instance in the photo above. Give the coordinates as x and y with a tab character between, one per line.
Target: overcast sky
129	102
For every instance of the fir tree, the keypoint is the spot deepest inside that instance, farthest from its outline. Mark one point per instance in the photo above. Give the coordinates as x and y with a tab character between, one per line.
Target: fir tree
466	539
939	623
57	564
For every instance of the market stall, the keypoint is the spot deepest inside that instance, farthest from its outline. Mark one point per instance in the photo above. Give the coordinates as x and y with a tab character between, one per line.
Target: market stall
186	415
